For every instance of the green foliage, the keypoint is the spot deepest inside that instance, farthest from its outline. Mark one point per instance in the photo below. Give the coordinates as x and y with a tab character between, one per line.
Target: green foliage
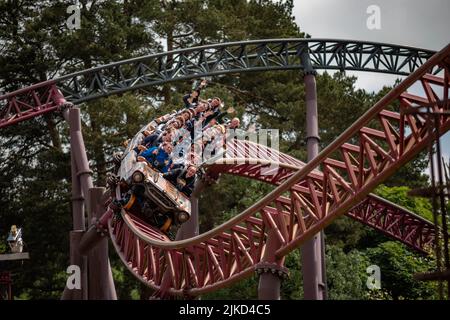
339	104
235	192
346	274
347	234
242	290
292	287
398	265
107	123
127	288
399	195
412	174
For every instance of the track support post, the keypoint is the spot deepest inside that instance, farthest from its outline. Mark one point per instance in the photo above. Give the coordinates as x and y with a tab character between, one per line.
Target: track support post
101	284
313	251
270	270
76	259
81	183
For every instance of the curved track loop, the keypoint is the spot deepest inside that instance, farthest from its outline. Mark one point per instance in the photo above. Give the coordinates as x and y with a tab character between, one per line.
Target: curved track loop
371	150
209	60
374	211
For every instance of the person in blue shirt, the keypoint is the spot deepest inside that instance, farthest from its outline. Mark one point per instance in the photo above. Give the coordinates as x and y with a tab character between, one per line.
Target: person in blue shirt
155	139
159	157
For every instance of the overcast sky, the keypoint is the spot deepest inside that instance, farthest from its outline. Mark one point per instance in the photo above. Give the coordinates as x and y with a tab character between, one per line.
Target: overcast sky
417	23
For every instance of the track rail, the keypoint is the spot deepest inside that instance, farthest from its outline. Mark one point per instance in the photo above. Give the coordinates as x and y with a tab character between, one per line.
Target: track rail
209	60
384	216
367	153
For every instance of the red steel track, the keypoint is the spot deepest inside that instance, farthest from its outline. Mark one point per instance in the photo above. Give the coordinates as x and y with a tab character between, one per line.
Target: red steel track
305	201
30	102
376	212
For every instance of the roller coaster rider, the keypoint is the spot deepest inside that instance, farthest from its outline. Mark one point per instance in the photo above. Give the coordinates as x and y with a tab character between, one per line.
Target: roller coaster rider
155	139
191	99
201	115
158	157
183	179
234	124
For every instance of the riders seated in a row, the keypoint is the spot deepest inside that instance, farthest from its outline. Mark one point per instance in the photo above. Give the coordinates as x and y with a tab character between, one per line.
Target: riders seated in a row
167	148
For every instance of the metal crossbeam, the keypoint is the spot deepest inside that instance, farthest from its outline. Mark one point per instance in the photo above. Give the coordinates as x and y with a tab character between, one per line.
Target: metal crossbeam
395	222
210	60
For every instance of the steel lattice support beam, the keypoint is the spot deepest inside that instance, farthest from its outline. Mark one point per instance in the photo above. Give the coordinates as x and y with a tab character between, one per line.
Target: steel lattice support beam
209	60
382	215
352	170
30	102
395	222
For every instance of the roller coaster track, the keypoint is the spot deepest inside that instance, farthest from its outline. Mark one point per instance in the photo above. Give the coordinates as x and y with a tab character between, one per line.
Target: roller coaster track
255	161
260	163
305	200
209	60
386	137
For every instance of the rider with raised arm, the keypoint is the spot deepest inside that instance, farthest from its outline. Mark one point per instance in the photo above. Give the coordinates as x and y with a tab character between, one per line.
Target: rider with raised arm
191	99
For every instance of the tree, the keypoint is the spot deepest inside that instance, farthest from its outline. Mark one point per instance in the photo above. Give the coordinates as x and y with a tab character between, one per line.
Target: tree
346	274
398	265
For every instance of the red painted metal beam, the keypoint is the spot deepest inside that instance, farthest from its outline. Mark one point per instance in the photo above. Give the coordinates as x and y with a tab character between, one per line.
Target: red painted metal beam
372	211
30	102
